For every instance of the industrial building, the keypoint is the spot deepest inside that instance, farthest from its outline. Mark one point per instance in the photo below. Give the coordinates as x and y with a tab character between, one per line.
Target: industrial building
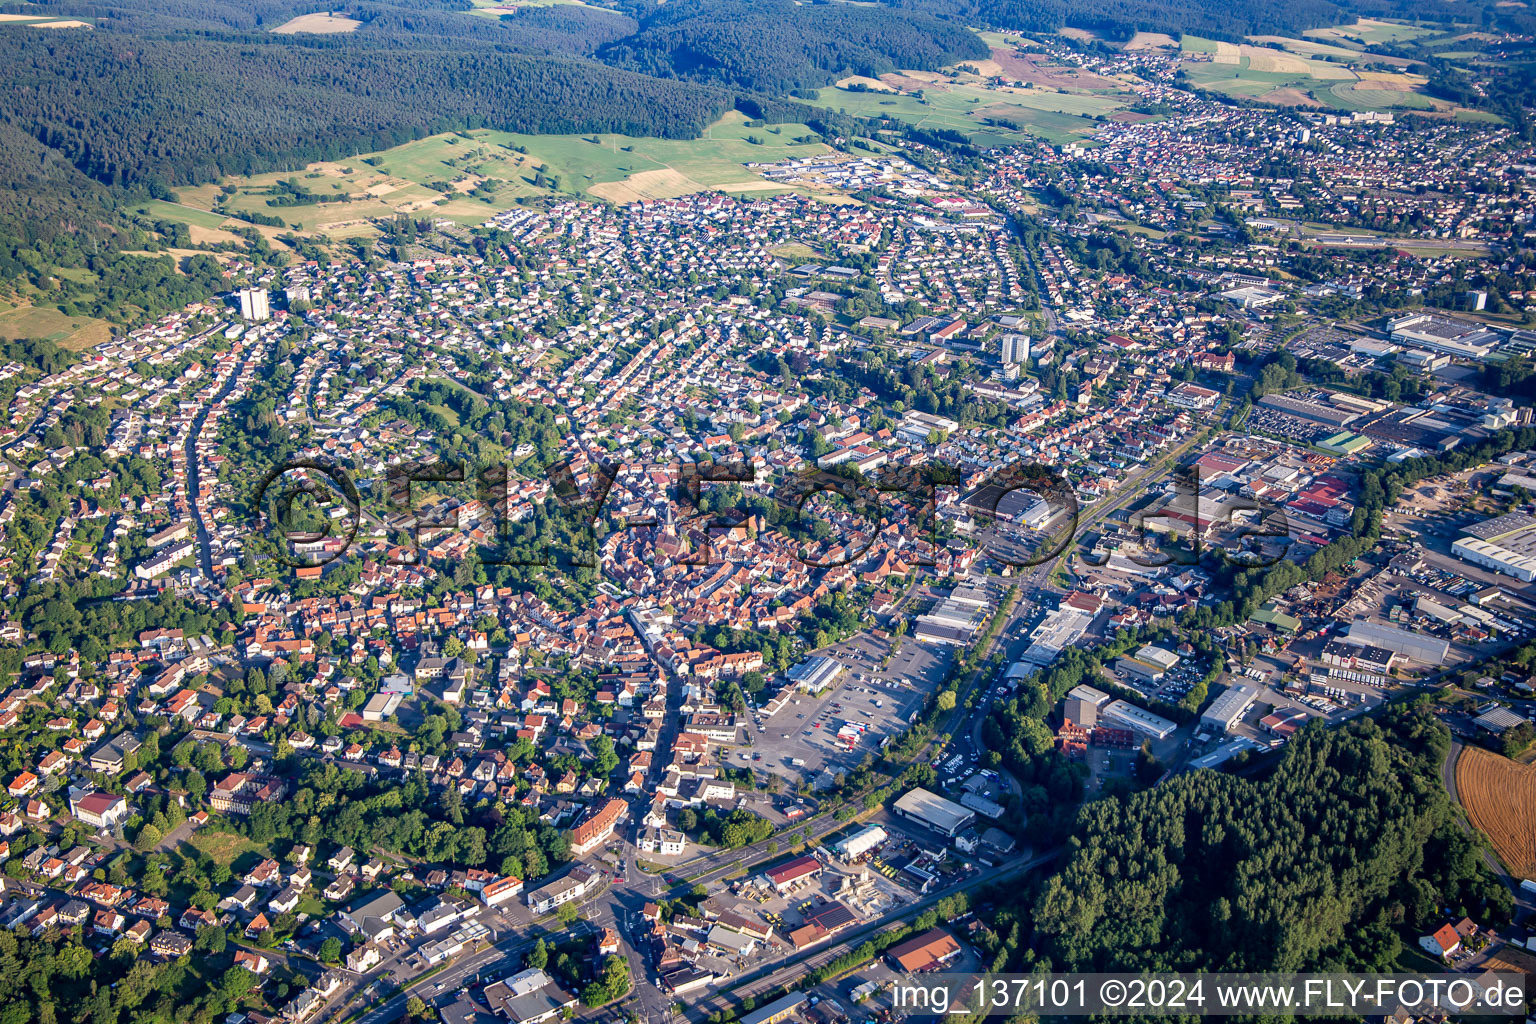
1506	544
1129	716
1415	646
861	842
934	811
1228	709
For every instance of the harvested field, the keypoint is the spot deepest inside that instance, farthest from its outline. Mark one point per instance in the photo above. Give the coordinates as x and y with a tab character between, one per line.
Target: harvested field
1151	41
1024	69
909	82
319	24
868	83
1289	97
1500	798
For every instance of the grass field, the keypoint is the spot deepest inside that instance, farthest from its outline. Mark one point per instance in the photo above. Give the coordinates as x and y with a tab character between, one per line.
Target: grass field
1288	78
1368	31
476	174
1500	798
72	332
1018	114
223	847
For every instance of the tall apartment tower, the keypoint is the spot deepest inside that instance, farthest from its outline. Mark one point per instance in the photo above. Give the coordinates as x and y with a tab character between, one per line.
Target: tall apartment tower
255	304
1015	348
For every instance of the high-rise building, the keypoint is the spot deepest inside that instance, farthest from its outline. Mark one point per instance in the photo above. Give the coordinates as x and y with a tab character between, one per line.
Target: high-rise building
1015	348
254	303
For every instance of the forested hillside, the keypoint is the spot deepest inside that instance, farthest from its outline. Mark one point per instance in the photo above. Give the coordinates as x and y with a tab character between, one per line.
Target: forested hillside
774	46
1326	864
188	110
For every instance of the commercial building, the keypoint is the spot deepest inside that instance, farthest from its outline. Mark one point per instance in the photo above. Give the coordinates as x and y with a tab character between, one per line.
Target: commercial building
1229	708
528	997
815	674
787	875
926	952
1057	631
1415	646
932	810
568	887
1129	716
1443	335
598	828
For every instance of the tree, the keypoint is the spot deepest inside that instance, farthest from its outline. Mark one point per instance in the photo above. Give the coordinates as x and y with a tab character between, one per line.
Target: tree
567	914
946	701
538	956
330	950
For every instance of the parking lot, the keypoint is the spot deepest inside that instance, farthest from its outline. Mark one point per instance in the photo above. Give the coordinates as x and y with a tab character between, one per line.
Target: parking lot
878	698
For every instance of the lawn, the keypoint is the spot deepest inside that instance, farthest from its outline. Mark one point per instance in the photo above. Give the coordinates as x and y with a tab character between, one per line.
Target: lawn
72	332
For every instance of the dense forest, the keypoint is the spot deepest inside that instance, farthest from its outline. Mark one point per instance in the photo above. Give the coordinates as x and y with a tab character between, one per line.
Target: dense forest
184	110
775	46
1327	864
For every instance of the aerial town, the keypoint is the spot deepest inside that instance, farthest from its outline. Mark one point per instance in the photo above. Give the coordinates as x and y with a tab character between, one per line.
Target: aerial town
729	605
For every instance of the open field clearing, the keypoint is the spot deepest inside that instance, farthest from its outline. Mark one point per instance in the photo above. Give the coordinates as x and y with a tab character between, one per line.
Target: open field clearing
467	177
1017	67
1370	30
1500	798
43	21
72	332
320	24
1151	41
1287	79
1015	114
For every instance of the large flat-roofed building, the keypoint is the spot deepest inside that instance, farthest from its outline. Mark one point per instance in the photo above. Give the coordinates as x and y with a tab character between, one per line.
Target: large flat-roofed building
1228	709
934	811
1129	716
1057	631
1443	334
1493	556
815	674
1414	646
1506	544
956	617
1306	409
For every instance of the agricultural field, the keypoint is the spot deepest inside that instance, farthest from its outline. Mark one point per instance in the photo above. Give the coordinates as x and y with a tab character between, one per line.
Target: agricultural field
1369	31
319	24
42	21
72	332
1288	78
1500	798
988	116
466	177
